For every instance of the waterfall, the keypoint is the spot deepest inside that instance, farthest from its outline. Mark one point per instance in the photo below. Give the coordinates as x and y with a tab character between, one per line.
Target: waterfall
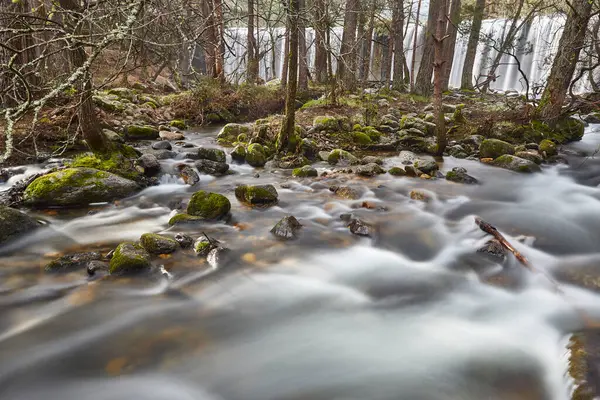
536	46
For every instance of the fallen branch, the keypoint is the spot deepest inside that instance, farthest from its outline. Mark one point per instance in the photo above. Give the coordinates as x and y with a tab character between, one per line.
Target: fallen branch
484	226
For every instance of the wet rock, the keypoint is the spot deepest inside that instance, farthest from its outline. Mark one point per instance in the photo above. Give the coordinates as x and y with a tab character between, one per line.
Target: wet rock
342	158
291	162
548	147
203	246
360	228
407	157
77	187
255	155
208	205
94	266
218	257
324	155
189	155
516	164
412	171
169	135
230	132
425	176
426	166
141	132
371	160
162	145
287	228
593	118
72	262
158	244
185	219
212	154
495	249
459	174
530	155
397	171
185	145
187	173
164	154
494	148
148	165
304	172
329	124
257	194
238	154
419	195
212	167
369	170
128	259
184	241
14	223
457	151
345	192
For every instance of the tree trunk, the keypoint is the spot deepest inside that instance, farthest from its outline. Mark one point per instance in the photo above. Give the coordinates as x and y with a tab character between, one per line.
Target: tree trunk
360	37
347	63
466	81
286	59
252	50
320	26
398	34
288	125
210	36
450	43
302	49
367	43
220	33
388	52
438	67
414	49
423	81
87	117
565	62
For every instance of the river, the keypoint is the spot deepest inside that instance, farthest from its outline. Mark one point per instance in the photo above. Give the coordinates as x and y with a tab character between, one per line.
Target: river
412	313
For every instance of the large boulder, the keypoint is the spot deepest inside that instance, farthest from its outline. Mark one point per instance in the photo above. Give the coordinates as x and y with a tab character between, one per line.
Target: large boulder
129	259
331	124
494	148
14	223
304	172
255	155
230	132
427	166
342	158
208	205
141	132
212	154
212	167
73	187
516	164
158	244
257	194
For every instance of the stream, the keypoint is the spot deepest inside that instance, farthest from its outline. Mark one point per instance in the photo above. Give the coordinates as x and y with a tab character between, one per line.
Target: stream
414	312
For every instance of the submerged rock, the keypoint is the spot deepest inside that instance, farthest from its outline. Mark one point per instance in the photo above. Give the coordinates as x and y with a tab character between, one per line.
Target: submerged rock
494	148
257	194
158	244
516	164
459	174
494	249
360	228
419	195
187	173
129	258
287	228
77	187
72	262
184	219
212	167
346	192
14	223
306	171
341	157
208	205
184	241
209	153
218	256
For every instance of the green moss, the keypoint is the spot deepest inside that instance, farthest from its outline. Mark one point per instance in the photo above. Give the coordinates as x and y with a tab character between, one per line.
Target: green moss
150	104
493	148
397	171
119	162
108	104
361	138
45	186
357	127
341	156
326	123
141	132
212	154
548	147
208	205
158	244
180	219
202	247
306	171
179	124
230	132
242	138
373	133
258	194
255	155
129	258
212	117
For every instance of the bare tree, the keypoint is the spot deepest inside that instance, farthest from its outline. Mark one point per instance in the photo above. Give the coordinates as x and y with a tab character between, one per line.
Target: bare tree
423	81
347	62
288	125
450	43
467	72
438	67
398	35
251	48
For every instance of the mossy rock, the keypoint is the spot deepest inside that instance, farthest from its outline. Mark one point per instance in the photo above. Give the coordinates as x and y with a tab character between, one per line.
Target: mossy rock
184	219
238	154
309	148
516	164
568	130
212	154
229	133
179	124
203	246
342	157
326	123
257	194
208	205
124	93
108	105
494	148
115	162
158	244
373	133
361	138
530	155
72	262
304	172
415	143
369	170
14	223
212	118
76	187
548	147
242	138
397	171
128	259
255	155
141	132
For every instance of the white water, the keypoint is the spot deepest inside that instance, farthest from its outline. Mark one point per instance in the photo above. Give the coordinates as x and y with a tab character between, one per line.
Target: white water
536	47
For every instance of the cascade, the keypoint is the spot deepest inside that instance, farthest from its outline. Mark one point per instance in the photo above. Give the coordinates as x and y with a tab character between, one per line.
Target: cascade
537	44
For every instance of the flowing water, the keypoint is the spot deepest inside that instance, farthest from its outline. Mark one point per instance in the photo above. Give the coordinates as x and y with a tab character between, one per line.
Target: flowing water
412	313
